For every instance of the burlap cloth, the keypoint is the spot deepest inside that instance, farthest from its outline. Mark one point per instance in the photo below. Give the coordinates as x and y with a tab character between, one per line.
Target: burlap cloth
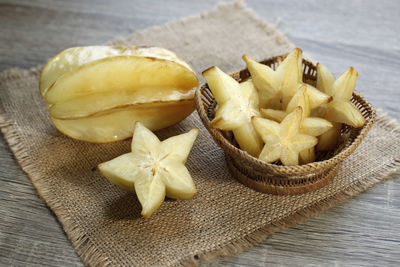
104	222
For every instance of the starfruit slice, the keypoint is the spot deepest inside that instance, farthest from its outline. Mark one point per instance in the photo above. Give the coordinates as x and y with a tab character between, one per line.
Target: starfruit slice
283	141
329	139
276	88
340	110
341	89
153	169
237	104
309	125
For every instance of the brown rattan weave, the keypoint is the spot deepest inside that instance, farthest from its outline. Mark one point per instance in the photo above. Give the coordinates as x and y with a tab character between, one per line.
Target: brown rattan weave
274	178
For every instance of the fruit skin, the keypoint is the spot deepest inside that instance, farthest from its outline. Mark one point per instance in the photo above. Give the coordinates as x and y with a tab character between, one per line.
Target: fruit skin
78	107
130	74
88	88
72	58
118	124
153	169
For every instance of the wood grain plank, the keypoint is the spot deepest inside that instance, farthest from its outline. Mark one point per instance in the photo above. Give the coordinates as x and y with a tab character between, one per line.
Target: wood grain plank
30	234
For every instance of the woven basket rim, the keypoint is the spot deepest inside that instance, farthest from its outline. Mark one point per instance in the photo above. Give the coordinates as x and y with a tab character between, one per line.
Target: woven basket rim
313	167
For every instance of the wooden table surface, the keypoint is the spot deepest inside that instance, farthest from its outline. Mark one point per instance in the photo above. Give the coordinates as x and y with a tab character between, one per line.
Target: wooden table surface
364	34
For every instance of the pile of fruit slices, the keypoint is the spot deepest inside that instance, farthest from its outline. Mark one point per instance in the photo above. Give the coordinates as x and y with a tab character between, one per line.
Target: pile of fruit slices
275	116
96	93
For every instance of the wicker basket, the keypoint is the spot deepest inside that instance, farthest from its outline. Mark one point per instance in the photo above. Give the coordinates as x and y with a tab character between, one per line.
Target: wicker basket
275	178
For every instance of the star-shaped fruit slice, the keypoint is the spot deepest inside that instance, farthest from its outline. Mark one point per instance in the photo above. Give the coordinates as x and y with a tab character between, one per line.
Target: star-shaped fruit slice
309	125
340	110
341	89
153	169
237	104
313	126
272	85
283	141
276	88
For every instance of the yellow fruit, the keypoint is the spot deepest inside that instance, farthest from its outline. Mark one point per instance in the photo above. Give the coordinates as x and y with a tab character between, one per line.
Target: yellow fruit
309	125
237	104
100	87
329	139
340	110
275	87
153	169
73	58
283	141
118	124
341	89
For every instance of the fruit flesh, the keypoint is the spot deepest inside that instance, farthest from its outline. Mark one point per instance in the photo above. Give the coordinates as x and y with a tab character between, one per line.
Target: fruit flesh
238	103
283	140
279	85
329	139
221	85
153	169
340	110
309	125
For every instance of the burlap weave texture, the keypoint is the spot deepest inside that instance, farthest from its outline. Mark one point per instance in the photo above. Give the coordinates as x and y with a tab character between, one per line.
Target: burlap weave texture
104	222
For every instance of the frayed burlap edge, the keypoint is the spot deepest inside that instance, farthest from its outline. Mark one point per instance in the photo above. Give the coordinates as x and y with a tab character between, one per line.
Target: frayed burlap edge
242	244
81	243
271	29
92	257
